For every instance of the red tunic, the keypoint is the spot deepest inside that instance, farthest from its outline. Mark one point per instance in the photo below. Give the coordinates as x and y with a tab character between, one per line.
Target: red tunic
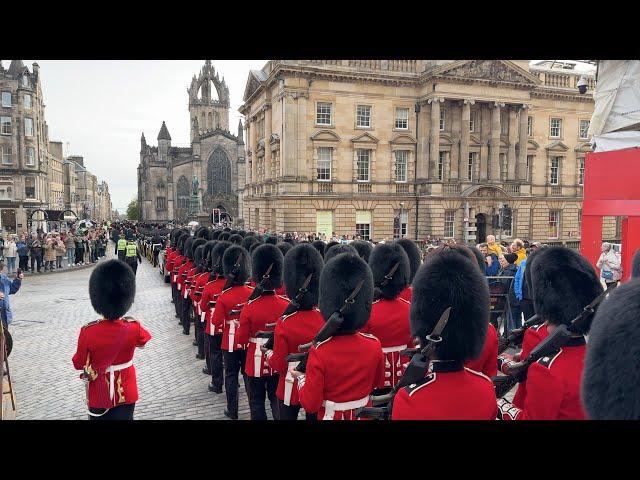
281	291
343	369
227	314
169	260
188	282
174	264
210	294
389	323
553	387
197	288
486	362
182	274
407	294
457	394
532	337
291	331
255	315
110	343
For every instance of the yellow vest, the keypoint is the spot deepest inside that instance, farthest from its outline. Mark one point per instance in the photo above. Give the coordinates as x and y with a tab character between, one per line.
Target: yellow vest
122	244
131	250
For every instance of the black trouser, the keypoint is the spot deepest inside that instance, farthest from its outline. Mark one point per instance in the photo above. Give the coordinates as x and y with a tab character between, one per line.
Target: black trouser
258	389
36	258
290	412
121	255
174	291
133	264
611	285
214	362
23	264
199	328
234	364
179	304
79	255
156	251
121	412
187	310
527	308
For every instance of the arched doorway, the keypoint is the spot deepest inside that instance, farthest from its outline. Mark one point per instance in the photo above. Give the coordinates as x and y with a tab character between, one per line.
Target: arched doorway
481	226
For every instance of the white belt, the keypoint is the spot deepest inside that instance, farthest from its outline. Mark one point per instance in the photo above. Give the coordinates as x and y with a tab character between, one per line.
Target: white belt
232	334
186	292
112	370
257	355
398	348
289	380
330	408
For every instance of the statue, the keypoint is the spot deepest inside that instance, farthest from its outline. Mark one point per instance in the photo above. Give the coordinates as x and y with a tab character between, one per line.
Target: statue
194	186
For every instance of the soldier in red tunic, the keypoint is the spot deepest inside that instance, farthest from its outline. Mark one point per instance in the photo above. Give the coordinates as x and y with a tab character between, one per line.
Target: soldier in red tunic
344	369
232	299
389	321
449	278
415	260
187	279
181	275
610	384
195	294
106	346
263	307
172	267
298	325
563	284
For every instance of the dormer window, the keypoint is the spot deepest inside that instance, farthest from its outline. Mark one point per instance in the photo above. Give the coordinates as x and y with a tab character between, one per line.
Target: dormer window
25	81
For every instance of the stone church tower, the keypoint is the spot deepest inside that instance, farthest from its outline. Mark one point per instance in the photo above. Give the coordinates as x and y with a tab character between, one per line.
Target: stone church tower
216	158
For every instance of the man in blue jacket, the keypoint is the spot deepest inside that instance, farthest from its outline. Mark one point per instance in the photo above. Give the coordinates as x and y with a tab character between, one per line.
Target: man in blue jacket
7	288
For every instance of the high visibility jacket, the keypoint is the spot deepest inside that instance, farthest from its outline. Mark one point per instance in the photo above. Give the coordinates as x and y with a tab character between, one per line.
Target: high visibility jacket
122	244
131	250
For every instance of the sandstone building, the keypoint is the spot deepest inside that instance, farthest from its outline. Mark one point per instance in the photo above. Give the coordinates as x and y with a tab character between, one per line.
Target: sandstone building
216	158
388	148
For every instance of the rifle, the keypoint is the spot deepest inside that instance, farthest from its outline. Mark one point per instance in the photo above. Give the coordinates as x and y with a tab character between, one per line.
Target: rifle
515	336
415	371
517	372
268	334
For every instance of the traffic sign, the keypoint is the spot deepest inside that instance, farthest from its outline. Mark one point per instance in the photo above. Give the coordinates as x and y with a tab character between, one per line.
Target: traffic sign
472	229
471	237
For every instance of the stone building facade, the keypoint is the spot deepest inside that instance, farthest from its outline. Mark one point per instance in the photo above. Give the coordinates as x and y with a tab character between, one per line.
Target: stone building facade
216	158
418	148
55	175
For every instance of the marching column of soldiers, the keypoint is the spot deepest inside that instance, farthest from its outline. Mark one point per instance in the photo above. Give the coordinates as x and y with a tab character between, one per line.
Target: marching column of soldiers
353	332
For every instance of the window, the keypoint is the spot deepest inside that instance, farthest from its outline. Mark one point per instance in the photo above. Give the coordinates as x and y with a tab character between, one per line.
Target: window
161	203
323	113
27	101
441	158
555	127
28	127
401	165
31	156
554	223
470	166
6	188
584	129
443	118
472	122
504	123
29	187
25	81
581	171
6	154
449	222
364	165
5	125
555	167
6	99
503	166
529	126
363	116
324	164
400	229
363	224
402	118
529	163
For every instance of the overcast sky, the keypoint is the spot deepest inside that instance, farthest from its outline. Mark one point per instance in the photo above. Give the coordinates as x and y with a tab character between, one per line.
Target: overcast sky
101	107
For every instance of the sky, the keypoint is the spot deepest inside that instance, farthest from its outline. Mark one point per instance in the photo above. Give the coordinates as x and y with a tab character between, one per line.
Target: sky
101	108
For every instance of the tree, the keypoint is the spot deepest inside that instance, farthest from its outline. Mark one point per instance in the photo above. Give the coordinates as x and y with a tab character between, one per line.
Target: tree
133	212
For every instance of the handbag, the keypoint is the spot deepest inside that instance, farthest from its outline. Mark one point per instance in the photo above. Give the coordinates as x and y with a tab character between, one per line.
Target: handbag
607	275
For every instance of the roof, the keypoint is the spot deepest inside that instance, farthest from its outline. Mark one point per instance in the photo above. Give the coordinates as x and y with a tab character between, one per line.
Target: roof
569	66
164	133
16	67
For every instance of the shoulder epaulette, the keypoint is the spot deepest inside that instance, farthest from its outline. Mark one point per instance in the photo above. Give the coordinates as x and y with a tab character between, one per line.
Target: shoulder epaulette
323	342
548	360
375	301
538	327
225	290
414	387
94	322
480	374
283	318
368	335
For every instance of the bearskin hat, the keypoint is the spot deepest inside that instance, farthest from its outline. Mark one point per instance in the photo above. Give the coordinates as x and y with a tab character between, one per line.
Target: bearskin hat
251	233
563	282
236	263
242	233
635	265
263	257
284	247
273	240
331	252
384	258
200	232
112	288
529	265
413	252
206	234
611	377
206	254
215	234
235	238
255	245
340	277
198	254
188	247
300	262
215	259
248	241
479	257
226	229
182	238
173	237
448	278
320	246
224	236
363	248
329	245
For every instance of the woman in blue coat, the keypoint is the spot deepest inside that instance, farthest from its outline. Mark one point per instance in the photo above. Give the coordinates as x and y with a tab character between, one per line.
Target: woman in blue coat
8	287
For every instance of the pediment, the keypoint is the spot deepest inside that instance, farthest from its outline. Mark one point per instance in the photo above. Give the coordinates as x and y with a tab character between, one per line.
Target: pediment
365	137
474	139
583	147
557	146
325	136
496	70
403	139
253	83
533	144
445	139
484	191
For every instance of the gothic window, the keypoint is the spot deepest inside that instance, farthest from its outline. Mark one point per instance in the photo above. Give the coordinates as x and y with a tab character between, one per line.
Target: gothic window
183	192
219	174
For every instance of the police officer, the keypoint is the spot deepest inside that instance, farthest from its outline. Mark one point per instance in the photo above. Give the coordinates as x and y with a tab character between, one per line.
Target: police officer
121	247
132	255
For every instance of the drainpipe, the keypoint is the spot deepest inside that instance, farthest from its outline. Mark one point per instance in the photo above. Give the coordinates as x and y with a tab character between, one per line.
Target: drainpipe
415	167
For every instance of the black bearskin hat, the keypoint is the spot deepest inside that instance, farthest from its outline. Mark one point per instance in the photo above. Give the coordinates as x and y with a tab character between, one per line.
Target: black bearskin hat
363	248
300	262
340	277
198	252
248	241
611	377
635	265
563	282
215	259
182	238
173	237
235	238
200	232
413	252
273	240
529	265
112	288
242	233
206	253
224	236
291	241
188	247
236	263
206	234
331	252
320	246
284	247
449	278
383	259
215	234
329	245
251	233
227	229
263	257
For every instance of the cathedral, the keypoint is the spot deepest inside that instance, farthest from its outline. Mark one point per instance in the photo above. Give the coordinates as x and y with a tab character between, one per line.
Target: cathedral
213	167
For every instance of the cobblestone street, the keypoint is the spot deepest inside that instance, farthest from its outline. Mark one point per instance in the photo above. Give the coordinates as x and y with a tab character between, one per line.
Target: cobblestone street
48	314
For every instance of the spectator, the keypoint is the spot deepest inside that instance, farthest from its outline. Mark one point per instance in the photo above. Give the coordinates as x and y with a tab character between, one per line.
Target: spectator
70	243
35	252
23	253
492	265
517	247
49	254
10	253
79	250
609	265
493	247
507	267
7	288
60	250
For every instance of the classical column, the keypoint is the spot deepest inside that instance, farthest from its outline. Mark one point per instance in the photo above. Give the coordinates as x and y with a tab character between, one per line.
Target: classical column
434	137
522	141
484	142
254	146
267	135
513	137
464	136
454	154
422	136
288	142
250	145
494	165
